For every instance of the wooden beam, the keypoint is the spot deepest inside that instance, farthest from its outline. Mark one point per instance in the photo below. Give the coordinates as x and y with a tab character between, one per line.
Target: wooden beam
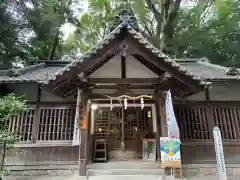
67	83
123	66
207	94
123	90
118	86
123	81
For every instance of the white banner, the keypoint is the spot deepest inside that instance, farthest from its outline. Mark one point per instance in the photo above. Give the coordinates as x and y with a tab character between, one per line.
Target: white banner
173	130
76	131
221	168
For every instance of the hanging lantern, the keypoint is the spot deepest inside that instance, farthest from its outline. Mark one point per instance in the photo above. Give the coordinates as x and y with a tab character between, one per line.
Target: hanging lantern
125	103
111	106
142	103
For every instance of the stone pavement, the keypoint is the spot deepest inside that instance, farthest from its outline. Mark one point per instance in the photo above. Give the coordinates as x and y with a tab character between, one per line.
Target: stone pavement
110	177
40	178
101	177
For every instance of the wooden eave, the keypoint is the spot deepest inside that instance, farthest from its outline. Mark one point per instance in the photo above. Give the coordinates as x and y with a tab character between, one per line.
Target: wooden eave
181	82
87	64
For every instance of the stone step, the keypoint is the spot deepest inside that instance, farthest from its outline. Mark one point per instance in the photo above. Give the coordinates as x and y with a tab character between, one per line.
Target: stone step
125	165
126	177
96	172
133	177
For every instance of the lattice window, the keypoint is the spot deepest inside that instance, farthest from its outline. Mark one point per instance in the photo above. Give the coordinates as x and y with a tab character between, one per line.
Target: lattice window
227	119
22	124
193	122
115	129
101	122
137	121
56	123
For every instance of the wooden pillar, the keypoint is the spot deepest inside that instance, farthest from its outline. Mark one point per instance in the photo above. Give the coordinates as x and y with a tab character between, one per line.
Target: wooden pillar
36	121
157	133
162	130
162	114
210	117
91	137
83	124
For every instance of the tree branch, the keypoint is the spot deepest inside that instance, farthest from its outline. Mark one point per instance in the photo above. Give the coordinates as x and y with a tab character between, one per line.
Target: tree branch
153	9
168	29
206	9
147	29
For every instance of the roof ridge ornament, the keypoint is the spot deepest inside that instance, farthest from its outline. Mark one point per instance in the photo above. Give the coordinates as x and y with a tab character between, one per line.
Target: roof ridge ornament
13	73
233	71
127	17
124	49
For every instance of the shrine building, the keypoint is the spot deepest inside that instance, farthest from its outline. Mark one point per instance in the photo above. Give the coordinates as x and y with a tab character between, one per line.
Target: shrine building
122	83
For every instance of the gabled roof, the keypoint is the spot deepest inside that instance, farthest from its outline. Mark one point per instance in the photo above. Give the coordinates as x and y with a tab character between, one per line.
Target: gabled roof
47	70
140	39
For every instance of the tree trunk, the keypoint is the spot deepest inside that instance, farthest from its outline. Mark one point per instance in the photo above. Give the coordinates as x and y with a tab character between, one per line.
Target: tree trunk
54	46
165	15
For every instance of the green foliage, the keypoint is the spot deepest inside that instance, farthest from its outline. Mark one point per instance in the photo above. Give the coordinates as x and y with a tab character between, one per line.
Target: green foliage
8	137
214	34
10	44
207	28
31	30
93	25
3	173
10	105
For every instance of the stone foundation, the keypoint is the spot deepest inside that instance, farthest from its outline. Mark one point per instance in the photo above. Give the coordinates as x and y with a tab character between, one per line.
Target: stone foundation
49	170
208	171
190	172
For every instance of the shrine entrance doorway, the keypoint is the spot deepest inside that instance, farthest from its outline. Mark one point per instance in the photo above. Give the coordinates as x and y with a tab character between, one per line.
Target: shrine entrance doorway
124	130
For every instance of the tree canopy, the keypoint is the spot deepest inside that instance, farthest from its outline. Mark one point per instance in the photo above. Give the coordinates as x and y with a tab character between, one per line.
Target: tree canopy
32	30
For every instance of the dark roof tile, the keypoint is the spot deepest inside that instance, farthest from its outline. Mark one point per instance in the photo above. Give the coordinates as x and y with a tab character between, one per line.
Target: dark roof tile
207	71
36	73
43	73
